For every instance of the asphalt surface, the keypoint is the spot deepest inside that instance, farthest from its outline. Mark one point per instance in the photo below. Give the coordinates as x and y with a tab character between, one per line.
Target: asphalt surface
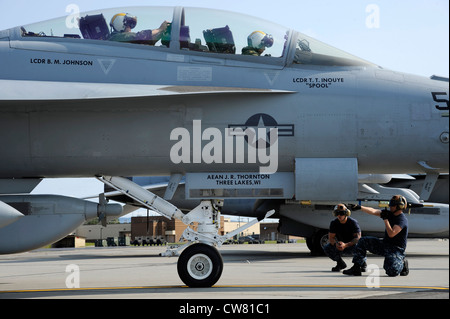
252	273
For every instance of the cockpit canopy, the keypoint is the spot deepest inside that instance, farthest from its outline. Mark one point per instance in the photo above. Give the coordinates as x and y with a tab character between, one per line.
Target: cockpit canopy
195	29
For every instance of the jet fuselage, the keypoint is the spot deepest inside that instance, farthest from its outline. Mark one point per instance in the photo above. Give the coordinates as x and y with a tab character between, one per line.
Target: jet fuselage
77	107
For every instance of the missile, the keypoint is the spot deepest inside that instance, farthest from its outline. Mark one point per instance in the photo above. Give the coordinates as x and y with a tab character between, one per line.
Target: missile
8	214
46	219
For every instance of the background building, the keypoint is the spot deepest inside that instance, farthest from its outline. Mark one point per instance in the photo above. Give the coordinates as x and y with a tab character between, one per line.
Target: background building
159	227
94	232
161	230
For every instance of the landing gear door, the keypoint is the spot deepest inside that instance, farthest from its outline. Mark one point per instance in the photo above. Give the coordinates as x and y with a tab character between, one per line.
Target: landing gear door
326	179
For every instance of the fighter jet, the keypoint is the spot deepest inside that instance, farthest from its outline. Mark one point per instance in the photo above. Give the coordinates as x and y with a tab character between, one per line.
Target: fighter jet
240	107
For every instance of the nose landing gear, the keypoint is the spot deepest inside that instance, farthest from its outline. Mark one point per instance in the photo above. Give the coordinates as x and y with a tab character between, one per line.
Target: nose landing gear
200	264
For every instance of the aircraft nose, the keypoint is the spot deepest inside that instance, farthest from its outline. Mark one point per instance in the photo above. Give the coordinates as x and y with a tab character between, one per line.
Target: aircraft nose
8	214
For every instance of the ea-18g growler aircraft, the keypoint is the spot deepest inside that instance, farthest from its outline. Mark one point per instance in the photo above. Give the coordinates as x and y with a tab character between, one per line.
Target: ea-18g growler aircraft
235	107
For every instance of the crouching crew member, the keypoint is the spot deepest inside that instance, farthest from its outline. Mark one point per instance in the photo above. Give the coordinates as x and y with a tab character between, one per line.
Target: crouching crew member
343	236
392	246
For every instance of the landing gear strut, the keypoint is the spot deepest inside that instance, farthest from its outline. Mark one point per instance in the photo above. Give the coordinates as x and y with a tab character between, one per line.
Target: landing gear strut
200	264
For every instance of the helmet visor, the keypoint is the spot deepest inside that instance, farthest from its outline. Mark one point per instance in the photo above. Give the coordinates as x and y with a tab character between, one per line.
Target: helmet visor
267	41
394	202
340	210
130	21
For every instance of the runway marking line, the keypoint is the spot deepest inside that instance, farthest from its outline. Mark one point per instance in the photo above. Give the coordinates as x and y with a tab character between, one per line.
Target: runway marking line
227	286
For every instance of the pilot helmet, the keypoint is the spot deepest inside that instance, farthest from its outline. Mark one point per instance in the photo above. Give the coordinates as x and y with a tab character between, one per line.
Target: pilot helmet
122	20
260	40
341	209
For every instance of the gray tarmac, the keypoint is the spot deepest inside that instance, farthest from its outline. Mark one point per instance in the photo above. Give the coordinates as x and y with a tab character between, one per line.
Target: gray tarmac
251	272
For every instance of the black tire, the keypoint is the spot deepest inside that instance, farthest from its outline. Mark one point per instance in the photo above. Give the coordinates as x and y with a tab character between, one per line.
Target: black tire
309	243
200	265
323	238
317	242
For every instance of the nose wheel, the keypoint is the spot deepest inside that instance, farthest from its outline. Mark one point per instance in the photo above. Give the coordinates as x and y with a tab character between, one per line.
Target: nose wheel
200	265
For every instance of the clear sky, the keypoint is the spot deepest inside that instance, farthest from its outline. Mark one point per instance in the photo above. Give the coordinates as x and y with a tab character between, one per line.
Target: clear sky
409	36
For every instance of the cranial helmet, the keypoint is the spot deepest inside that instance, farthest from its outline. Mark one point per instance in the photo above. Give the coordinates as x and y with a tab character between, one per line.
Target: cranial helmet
341	209
398	201
122	20
260	40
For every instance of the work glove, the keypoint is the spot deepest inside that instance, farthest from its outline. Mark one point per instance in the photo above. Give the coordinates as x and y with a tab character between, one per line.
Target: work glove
354	207
385	214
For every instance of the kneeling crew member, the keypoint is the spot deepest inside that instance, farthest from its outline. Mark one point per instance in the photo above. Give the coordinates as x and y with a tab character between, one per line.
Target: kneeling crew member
343	235
392	246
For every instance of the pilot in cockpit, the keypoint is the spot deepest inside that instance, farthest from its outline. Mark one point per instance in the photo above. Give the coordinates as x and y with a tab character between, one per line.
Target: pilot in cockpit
258	41
123	23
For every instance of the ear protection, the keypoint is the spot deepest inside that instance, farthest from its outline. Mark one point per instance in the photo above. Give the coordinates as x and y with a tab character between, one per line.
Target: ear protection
398	201
341	209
